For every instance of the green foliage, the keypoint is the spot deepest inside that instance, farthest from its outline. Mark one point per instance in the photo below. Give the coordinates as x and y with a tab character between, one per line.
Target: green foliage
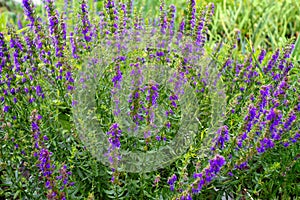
272	175
266	24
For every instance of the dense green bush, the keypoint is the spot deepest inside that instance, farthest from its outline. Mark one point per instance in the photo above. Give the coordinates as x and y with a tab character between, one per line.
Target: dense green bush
246	144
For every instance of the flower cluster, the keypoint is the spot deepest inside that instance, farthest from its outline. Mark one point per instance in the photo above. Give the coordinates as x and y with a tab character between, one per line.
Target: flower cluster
156	180
134	97
117	86
86	29
152	97
43	154
64	176
29	11
265	143
114	156
171	182
208	174
171	17
221	138
45	164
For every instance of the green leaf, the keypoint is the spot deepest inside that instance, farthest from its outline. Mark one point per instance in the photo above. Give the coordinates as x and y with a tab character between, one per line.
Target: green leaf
3	21
296	51
22	30
16	194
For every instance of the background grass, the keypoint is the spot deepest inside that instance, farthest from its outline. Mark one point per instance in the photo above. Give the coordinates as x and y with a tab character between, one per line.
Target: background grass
265	24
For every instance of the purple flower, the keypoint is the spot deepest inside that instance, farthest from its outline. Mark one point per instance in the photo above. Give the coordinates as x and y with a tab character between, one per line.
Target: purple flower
298	107
64	31
73	45
172	18
44	162
200	37
171	181
286	144
271	115
86	29
188	197
192	13
290	120
160	53
168	124
70	88
158	138
65	181
12	91
221	138
114	135
272	62
265	91
117	78
281	88
6	108
172	188
242	165
265	144
47	184
26	90
252	113
31	100
182	26
288	51
261	56
28	11
297	136
215	165
38	90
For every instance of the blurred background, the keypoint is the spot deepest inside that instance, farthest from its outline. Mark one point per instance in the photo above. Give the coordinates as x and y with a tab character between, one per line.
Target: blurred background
263	23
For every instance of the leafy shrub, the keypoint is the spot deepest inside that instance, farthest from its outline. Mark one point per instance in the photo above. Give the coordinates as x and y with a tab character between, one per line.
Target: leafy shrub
255	149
